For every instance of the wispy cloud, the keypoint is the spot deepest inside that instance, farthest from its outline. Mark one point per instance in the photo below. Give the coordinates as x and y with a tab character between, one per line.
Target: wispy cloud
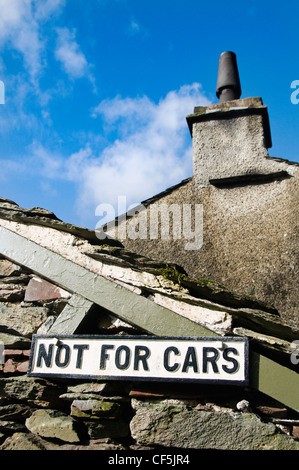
27	33
48	163
69	54
24	29
45	8
136	28
19	28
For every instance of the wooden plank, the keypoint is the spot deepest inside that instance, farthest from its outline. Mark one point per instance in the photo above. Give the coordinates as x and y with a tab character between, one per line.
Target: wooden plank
275	380
71	316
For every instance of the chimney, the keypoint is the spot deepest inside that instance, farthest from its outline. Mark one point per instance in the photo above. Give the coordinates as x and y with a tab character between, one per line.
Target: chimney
231	137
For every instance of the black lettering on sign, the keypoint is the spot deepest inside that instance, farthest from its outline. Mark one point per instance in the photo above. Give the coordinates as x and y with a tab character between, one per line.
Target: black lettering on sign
126	356
104	355
44	355
235	367
190	360
123	352
62	357
142	353
81	348
167	366
212	359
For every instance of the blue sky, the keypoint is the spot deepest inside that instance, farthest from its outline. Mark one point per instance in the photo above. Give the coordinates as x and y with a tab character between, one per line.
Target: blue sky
97	91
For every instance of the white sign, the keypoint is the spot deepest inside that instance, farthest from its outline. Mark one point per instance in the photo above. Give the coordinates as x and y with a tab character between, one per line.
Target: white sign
190	359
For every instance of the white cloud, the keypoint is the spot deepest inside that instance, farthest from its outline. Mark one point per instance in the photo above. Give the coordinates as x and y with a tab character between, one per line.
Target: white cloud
153	151
48	7
44	161
20	26
26	30
69	54
13	13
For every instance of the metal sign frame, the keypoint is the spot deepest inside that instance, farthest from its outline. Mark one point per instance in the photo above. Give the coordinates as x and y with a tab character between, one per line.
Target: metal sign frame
214	360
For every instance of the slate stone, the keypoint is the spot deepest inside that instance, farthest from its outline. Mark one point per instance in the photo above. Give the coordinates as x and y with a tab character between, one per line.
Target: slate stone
95	409
11	340
53	424
72	316
272	411
15	412
11	292
7	268
19	279
111	428
102	388
95	444
10	427
35	391
16	360
39	289
23	441
295	432
170	424
23	320
9	210
267	342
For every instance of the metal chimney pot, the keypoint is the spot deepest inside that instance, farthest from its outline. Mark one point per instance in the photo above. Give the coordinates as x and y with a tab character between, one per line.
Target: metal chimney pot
228	81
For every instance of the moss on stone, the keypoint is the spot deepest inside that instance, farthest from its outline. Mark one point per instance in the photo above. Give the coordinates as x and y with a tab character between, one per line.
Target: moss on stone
172	274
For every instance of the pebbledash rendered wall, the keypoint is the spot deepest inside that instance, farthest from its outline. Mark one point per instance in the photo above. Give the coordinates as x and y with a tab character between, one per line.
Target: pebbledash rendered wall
250	210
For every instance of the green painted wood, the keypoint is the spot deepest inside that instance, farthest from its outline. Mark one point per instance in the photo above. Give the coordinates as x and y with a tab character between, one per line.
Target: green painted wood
275	380
71	316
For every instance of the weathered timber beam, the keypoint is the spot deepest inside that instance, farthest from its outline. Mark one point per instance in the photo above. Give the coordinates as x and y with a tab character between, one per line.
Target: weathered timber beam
274	380
71	316
123	303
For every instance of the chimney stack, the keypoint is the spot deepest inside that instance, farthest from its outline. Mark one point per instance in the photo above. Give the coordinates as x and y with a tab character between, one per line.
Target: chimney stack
228	81
231	137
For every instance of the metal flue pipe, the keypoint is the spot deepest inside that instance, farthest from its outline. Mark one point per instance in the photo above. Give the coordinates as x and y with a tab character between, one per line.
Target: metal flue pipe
228	82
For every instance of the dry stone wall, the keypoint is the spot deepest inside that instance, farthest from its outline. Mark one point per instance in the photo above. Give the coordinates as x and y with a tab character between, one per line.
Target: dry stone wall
42	414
